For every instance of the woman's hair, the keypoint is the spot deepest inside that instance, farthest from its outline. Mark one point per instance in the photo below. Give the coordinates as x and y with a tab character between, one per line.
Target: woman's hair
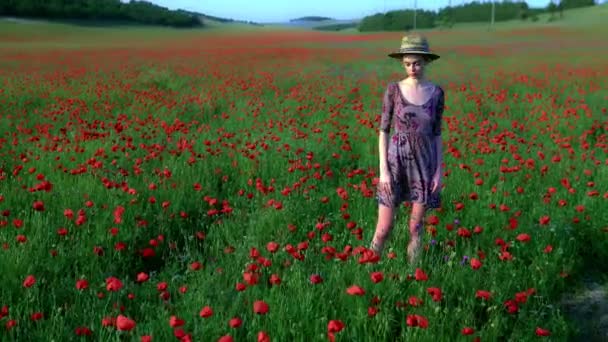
425	58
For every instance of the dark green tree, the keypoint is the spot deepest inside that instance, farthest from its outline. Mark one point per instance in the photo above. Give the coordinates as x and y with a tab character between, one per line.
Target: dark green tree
398	21
102	10
567	4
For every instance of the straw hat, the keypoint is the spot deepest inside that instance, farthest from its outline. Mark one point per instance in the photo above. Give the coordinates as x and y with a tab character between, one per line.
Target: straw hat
414	44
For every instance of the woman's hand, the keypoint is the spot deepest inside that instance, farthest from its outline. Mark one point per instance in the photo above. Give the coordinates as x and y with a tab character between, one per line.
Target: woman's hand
384	184
436	183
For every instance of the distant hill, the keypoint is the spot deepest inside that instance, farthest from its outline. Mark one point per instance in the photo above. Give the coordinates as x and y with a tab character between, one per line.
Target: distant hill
313	24
203	17
311	18
336	27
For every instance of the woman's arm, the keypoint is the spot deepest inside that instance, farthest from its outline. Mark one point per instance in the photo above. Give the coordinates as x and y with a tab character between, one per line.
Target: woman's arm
439	151
384	186
437	133
385	126
382	152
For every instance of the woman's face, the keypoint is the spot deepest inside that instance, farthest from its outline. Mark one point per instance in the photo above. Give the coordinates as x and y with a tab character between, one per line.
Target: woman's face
414	65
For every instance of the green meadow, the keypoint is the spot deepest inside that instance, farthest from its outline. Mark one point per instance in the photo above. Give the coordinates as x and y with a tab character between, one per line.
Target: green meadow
218	184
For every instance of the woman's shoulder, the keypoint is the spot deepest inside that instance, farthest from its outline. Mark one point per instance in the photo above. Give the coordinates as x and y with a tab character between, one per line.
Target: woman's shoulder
391	86
435	85
439	87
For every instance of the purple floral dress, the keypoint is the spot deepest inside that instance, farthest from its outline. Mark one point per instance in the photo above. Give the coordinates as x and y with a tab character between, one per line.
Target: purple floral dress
412	153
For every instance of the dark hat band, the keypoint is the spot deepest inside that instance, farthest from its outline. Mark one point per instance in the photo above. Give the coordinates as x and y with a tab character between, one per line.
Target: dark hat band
414	49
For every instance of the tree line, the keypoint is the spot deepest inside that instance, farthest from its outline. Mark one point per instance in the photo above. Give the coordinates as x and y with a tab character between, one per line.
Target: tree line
141	12
472	12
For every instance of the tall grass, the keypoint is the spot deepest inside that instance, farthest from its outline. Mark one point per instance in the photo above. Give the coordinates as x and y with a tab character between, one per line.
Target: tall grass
212	154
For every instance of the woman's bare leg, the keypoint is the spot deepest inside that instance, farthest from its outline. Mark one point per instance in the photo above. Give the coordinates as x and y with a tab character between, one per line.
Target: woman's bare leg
416	224
386	219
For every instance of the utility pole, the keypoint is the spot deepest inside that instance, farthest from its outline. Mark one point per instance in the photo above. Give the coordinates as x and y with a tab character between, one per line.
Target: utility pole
493	11
449	11
415	8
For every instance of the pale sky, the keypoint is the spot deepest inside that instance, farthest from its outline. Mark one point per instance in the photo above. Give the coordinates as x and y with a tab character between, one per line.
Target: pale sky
262	11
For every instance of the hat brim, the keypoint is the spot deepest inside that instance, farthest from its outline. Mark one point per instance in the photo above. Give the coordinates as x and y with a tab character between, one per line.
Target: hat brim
399	55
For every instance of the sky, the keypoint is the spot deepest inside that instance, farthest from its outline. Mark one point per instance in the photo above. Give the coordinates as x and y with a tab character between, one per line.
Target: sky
267	11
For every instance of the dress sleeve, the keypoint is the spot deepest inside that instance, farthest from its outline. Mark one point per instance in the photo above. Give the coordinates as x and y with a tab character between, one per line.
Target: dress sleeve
439	113
387	109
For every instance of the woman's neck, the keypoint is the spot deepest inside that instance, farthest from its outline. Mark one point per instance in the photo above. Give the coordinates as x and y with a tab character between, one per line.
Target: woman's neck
415	81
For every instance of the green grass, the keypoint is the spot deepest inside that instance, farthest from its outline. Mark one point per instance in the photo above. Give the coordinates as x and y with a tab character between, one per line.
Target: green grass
177	112
586	17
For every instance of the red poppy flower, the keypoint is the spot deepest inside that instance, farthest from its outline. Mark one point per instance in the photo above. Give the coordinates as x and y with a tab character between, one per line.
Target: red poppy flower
113	284
251	278
175	322
142	277
316	279
542	332
260	307
513	223
108	321
521	297
411	321
435	293
83	331
483	294
274	279
36	316
467	331
505	256
335	326
416	321
433	220
29	281
124	323
376	277
38	205
475	263
463	232
511	306
235	322
11	323
263	337
272	247
206	312
118	212
420	275
162	286
355	290
415	301
68	213
82	284
181	335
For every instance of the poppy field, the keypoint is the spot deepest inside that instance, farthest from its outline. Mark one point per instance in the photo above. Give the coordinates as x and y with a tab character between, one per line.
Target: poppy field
219	186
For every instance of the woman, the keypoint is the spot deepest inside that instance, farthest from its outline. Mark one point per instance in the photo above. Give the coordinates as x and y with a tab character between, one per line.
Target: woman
410	161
